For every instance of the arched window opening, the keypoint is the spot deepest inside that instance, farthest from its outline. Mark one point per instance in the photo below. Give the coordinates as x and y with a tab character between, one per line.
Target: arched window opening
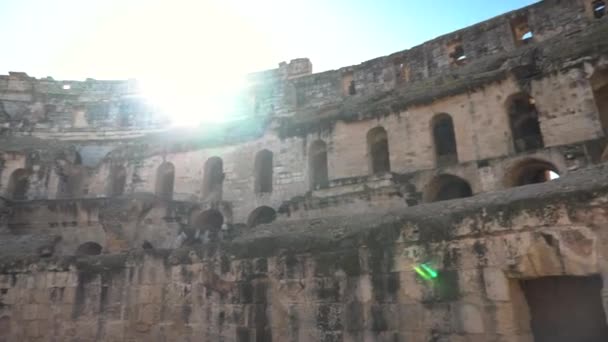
71	179
261	215
18	184
531	171
445	140
599	84
599	8
118	179
263	172
89	248
319	178
165	179
447	187
213	178
525	126
206	225
377	149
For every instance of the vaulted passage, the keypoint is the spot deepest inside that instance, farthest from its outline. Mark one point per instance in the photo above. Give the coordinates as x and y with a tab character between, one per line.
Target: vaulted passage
599	83
447	187
18	184
165	178
566	309
117	181
531	171
213	179
445	139
377	148
89	248
525	127
261	215
317	165
263	172
206	225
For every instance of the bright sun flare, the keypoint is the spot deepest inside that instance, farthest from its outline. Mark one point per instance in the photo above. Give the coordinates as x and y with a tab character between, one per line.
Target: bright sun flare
192	56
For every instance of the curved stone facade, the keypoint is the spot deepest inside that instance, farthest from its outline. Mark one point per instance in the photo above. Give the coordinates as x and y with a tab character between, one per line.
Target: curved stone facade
92	170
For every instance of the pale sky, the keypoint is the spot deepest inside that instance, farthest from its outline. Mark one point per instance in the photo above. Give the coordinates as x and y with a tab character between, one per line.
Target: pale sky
206	46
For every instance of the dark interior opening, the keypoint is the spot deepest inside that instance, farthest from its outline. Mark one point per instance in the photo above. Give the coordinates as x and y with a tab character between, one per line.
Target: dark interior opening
599	83
566	309
522	32
89	248
377	144
532	171
118	179
18	184
263	172
165	178
599	8
458	56
525	126
213	178
447	187
261	215
206	225
319	178
445	140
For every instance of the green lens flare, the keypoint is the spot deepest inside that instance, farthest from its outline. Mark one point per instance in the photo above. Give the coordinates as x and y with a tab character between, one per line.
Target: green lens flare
426	272
422	273
431	272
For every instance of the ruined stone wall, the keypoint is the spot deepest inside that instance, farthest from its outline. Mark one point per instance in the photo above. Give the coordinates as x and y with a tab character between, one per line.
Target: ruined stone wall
333	279
292	110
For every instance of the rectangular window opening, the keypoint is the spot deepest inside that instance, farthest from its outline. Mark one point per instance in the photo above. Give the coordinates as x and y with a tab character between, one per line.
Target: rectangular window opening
522	32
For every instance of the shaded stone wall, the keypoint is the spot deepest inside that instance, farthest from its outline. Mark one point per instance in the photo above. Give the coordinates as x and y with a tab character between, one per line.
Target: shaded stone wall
333	279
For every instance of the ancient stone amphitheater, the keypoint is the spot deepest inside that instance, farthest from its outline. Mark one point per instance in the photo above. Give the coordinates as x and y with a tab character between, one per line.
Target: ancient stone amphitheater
413	197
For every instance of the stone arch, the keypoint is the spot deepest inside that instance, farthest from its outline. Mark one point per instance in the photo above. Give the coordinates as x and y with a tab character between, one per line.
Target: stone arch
18	184
263	168
530	171
205	225
599	85
378	151
444	138
317	165
523	119
117	181
89	248
165	179
446	187
261	215
213	178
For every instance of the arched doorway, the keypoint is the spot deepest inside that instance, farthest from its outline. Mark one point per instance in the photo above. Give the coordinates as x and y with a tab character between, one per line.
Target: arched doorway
531	171
261	215
317	165
525	126
444	138
18	184
447	187
377	150
263	172
165	178
206	225
89	248
213	179
118	179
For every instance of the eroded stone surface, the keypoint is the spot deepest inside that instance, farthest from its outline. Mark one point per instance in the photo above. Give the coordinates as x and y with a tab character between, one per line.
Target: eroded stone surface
306	219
